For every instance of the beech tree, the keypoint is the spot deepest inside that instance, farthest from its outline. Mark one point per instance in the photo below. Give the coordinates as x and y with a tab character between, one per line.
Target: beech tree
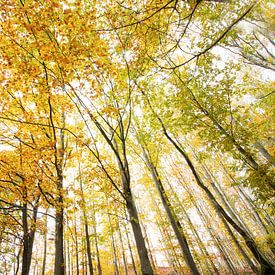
136	137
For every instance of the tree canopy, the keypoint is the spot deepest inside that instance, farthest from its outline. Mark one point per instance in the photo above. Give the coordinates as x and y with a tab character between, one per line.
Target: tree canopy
136	137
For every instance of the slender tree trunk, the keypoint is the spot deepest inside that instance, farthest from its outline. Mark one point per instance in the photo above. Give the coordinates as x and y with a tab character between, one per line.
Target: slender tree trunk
145	264
35	269
214	236
59	263
76	246
140	243
86	226
83	254
126	193
245	198
88	245
113	247
177	228
130	249
195	233
122	249
18	261
227	228
29	234
99	270
219	192
26	240
68	257
45	245
166	236
147	241
266	266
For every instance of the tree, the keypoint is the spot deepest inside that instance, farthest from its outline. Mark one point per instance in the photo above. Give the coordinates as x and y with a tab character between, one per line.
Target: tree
77	78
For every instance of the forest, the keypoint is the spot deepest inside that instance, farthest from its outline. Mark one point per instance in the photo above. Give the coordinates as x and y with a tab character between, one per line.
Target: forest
136	137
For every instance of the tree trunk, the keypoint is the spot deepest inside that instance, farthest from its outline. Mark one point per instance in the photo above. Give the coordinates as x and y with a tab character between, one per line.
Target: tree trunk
214	236
68	257
177	228
113	247
247	201
59	263
145	264
86	226
219	192
195	233
29	234
266	266
26	240
96	244
45	246
122	249
123	166
76	245
88	245
166	237
147	242
130	249
18	261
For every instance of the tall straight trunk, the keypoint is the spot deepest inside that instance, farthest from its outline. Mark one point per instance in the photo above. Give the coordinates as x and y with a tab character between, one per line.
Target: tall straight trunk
234	239
35	269
45	245
146	267
219	192
228	230
145	264
29	234
252	210
68	257
126	193
231	266
122	250
130	249
83	255
174	221
113	247
99	270
86	226
195	233
26	242
214	236
166	236
59	263
237	244
88	245
147	241
247	200
76	246
266	266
